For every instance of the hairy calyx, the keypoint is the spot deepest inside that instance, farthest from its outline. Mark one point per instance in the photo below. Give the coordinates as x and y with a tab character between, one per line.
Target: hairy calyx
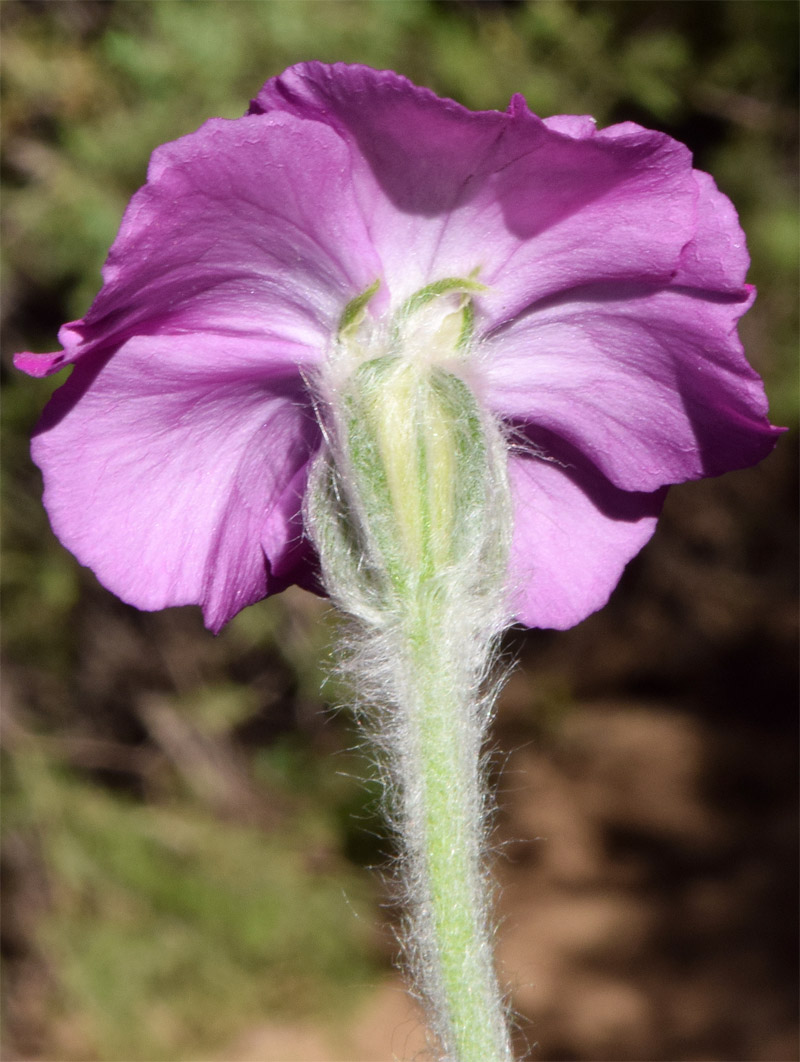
409	509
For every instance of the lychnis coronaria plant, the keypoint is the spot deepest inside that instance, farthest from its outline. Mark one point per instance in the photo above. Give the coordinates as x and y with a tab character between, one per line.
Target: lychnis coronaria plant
440	365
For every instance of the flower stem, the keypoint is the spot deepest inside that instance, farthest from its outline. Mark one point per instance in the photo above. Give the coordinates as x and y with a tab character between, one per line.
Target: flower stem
442	822
409	508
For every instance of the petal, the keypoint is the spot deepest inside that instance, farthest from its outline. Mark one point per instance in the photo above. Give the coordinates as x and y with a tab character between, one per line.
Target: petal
39	365
574	532
574	125
244	227
536	207
168	470
652	387
412	153
585	208
716	257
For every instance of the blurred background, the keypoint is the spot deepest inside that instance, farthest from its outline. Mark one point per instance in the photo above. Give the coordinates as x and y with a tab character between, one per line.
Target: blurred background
189	827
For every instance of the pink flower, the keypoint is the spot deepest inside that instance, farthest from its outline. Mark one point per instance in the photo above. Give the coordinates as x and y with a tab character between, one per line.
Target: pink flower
176	456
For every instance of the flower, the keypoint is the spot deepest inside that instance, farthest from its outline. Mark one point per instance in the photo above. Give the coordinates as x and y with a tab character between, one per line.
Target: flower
609	277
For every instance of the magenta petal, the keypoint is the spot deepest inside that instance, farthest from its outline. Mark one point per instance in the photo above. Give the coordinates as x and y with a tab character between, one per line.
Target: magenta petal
169	469
573	535
716	257
652	387
585	208
413	155
39	365
536	207
244	227
578	126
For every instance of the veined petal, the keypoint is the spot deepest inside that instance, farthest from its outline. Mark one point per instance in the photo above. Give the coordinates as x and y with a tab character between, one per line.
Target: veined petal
653	387
716	257
574	532
244	227
170	469
537	208
579	207
414	156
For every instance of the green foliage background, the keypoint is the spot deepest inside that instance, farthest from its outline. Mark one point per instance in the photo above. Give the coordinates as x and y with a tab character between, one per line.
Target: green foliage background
143	892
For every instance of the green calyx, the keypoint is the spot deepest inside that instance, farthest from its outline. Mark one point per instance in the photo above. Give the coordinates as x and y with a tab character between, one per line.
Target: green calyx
409	494
354	311
438	318
460	321
416	450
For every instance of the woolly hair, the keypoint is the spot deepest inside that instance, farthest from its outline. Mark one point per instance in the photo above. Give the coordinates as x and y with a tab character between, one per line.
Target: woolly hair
409	509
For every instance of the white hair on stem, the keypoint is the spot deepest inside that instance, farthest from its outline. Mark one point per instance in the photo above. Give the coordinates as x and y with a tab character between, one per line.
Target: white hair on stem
409	509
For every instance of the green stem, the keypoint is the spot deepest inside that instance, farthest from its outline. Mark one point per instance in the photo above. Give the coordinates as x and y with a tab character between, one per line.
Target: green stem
443	808
410	511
